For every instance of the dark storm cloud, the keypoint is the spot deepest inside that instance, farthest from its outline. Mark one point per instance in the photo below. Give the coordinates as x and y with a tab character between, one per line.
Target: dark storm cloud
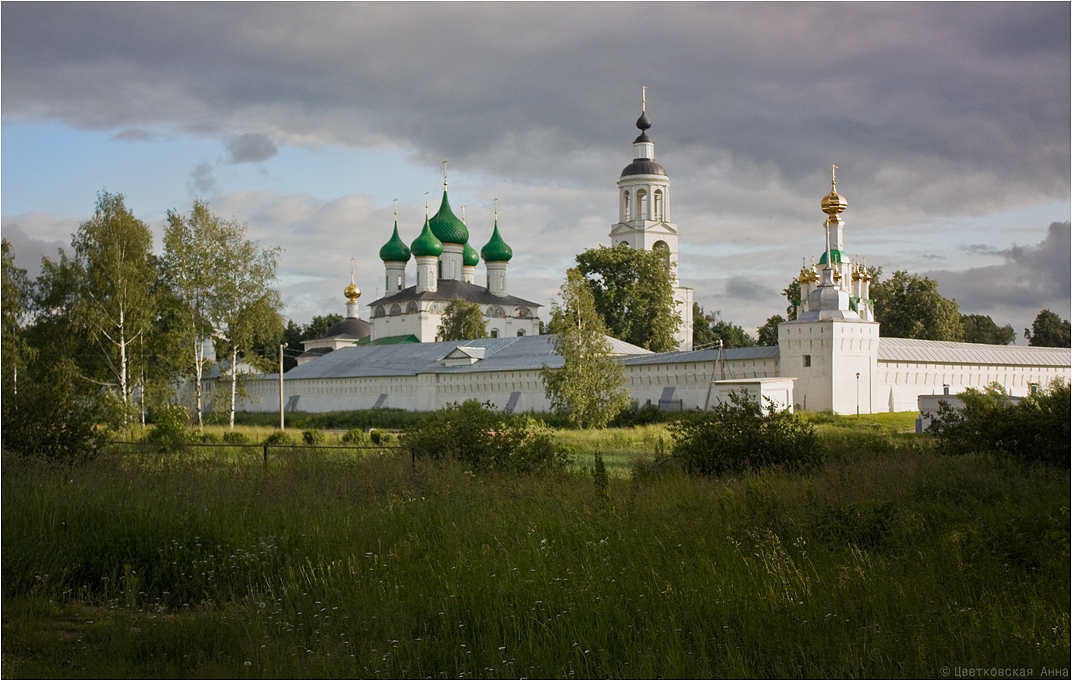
746	289
947	101
250	147
29	250
1032	277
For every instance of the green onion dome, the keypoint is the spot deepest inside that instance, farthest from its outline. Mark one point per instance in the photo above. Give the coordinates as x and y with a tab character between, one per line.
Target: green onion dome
395	250
496	249
835	255
446	226
470	258
426	244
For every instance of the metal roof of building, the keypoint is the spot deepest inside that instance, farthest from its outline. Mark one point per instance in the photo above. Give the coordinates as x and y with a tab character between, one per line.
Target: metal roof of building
728	354
519	353
943	352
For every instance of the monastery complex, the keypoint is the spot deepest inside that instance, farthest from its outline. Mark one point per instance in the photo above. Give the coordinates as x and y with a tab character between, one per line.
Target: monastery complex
830	357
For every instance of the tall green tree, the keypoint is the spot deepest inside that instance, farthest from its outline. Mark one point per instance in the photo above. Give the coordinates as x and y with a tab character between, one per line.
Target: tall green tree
245	308
980	328
194	265
1049	331
462	320
589	389
768	333
113	257
633	292
910	306
15	301
792	296
708	329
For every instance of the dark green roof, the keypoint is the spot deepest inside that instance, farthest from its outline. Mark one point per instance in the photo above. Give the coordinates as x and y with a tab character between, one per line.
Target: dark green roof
496	249
395	250
470	258
446	226
427	243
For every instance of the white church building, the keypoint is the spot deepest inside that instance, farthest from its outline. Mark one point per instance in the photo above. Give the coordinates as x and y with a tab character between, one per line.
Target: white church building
830	357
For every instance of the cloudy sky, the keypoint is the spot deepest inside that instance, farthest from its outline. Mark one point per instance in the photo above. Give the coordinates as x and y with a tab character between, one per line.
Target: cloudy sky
949	124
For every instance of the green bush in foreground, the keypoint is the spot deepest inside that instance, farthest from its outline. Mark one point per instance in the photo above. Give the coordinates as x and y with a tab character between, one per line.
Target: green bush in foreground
1036	430
313	437
484	439
170	426
278	438
356	436
736	436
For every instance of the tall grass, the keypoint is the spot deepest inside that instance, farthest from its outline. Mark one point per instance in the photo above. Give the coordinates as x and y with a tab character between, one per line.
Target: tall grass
891	562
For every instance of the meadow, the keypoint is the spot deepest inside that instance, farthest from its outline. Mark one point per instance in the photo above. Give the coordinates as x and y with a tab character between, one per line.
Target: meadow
890	560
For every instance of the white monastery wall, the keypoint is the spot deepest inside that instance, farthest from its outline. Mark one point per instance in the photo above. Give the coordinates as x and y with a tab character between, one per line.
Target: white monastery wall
903	382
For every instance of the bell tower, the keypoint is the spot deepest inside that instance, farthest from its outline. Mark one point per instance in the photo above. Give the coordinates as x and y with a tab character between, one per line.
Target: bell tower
644	215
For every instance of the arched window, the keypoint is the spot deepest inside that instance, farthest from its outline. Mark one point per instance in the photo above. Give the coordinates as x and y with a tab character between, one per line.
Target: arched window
396	310
642	204
520	332
494	333
658	204
625	206
411	307
662	249
380	312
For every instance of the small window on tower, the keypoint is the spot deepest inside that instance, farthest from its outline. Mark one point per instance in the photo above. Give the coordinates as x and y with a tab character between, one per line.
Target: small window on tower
658	204
807	360
642	204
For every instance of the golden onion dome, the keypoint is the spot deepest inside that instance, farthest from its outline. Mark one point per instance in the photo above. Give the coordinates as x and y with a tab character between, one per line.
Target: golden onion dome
834	203
352	292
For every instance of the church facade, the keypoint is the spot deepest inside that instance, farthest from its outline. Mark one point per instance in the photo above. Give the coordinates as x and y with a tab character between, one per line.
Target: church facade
445	265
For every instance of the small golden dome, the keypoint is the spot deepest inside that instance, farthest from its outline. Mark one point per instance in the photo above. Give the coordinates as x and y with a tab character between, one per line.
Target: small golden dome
834	203
352	292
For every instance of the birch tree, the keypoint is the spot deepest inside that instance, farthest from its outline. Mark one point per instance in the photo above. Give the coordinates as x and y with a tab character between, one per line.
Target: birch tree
589	389
113	255
244	307
193	264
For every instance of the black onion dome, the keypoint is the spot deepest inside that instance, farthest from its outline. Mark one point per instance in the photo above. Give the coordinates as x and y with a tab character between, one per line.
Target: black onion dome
643	166
351	326
643	123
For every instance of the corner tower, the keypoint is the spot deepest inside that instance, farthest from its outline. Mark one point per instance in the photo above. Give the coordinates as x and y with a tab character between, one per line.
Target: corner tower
644	215
831	348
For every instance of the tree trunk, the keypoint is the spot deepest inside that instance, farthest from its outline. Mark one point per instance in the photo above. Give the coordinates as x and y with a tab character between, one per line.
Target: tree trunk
199	365
234	381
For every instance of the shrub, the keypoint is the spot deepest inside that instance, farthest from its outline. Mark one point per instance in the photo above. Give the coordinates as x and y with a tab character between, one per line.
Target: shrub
635	415
484	439
278	438
737	436
356	436
209	438
48	417
312	437
382	437
1034	431
169	427
233	437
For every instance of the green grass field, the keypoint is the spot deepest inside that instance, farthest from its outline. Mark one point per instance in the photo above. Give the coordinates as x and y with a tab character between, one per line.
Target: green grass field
890	561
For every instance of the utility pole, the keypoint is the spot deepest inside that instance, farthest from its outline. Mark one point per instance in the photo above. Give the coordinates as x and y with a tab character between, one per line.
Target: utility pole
282	424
